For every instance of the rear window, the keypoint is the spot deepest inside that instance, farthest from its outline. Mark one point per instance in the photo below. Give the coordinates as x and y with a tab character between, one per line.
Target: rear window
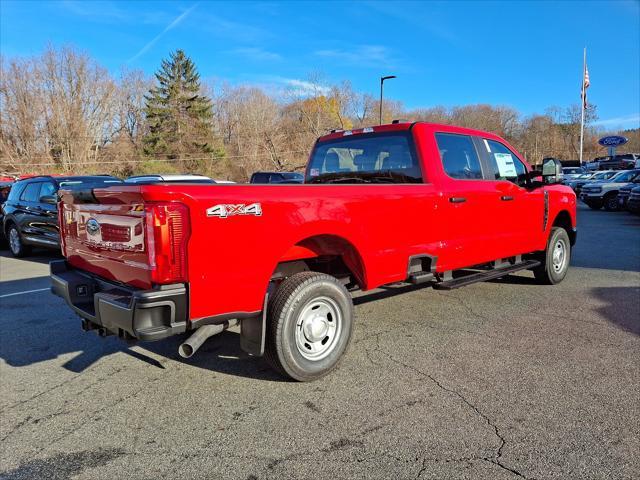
365	158
459	156
292	176
260	178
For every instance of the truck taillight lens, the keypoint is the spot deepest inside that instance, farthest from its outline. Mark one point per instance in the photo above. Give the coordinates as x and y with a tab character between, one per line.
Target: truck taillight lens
168	232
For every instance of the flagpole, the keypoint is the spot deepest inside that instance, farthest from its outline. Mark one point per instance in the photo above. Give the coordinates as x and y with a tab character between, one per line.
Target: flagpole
582	102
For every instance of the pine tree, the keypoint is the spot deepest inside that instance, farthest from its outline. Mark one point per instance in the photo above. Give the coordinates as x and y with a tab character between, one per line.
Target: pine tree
178	116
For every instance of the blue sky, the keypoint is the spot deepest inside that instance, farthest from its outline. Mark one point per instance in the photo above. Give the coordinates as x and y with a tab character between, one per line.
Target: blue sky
527	55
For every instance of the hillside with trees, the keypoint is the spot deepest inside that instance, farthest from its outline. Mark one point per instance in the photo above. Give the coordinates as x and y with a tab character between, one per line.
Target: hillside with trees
63	112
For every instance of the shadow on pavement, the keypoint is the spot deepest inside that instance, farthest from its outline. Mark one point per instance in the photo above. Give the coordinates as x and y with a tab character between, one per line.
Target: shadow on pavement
39	255
622	306
37	328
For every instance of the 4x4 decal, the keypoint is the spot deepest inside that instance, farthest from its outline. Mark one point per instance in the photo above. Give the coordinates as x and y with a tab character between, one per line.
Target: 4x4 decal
225	210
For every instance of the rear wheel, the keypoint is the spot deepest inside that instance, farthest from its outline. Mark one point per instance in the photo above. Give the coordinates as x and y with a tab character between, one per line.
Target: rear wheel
309	325
555	262
17	247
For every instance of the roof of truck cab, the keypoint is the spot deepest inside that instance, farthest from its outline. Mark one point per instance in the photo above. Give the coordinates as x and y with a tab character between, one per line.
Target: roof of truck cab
403	126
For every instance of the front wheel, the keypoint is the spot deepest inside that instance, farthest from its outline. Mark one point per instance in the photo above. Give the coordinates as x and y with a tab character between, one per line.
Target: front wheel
309	326
611	202
555	262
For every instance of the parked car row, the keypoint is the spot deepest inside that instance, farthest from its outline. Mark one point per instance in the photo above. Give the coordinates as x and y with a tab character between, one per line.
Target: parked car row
610	189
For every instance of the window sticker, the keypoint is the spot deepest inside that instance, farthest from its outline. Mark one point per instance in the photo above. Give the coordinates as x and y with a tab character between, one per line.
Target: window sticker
506	165
314	172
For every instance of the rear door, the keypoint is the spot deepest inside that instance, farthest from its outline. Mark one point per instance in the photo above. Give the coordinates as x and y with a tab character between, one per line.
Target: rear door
469	220
519	210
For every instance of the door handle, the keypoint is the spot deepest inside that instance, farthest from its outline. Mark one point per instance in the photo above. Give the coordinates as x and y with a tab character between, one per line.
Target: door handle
506	198
457	199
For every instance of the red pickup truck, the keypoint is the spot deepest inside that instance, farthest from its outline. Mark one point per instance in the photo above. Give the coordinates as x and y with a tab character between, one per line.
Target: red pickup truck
405	202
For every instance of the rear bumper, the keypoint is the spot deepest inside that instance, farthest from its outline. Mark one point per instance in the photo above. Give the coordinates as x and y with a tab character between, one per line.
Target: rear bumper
147	315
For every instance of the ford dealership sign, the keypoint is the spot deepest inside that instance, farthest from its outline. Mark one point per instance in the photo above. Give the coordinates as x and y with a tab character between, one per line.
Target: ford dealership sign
613	141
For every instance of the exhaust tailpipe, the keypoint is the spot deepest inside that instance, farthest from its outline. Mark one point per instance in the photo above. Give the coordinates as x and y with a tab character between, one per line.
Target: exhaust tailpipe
195	341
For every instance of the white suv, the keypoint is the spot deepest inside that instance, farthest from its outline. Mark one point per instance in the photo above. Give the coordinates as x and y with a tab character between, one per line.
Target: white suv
187	178
605	193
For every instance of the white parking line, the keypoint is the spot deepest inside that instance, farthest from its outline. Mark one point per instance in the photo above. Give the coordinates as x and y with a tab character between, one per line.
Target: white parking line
22	293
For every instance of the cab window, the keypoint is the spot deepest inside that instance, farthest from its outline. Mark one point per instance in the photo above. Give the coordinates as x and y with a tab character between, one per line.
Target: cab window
365	158
459	156
504	164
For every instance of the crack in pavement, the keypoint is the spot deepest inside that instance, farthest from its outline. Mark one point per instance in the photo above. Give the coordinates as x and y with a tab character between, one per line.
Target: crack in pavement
497	457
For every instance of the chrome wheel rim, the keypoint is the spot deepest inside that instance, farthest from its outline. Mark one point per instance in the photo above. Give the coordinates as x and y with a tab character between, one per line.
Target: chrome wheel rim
559	256
14	240
318	328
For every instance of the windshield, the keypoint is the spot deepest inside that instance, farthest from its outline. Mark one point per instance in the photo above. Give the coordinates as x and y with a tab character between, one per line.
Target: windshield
602	175
623	177
365	158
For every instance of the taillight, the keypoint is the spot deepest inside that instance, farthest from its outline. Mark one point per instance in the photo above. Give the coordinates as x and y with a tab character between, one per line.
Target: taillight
168	232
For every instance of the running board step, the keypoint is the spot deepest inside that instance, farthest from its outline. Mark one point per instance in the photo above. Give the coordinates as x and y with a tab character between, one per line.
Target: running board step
482	276
421	277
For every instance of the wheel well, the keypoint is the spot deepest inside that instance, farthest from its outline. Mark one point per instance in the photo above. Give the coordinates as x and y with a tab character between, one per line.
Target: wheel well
328	254
7	224
563	220
611	193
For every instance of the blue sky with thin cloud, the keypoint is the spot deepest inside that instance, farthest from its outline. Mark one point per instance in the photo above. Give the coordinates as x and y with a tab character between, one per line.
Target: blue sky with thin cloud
527	55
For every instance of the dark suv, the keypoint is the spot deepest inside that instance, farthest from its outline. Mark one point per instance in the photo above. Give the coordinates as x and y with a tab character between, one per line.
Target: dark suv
277	177
31	214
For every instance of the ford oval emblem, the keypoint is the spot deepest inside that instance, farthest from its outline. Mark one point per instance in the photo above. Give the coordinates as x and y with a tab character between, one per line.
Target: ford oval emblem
92	226
613	141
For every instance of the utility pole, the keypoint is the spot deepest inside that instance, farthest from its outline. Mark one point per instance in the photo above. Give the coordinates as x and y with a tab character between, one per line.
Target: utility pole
382	79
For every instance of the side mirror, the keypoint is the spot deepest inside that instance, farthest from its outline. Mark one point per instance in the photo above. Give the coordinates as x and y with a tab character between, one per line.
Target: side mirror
551	171
50	199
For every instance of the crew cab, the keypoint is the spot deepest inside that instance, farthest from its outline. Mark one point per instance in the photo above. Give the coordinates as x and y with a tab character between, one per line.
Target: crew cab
604	193
407	202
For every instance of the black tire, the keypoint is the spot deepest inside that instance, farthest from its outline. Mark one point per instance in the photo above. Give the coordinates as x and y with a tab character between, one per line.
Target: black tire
611	202
16	246
548	272
290	318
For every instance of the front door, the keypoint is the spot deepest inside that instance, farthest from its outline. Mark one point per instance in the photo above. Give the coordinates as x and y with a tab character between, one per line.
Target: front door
519	210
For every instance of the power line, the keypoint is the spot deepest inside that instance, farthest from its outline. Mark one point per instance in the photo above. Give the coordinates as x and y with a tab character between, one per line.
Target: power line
169	160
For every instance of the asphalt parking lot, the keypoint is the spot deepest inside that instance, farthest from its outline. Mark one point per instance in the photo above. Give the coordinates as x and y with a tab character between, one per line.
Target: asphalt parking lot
497	380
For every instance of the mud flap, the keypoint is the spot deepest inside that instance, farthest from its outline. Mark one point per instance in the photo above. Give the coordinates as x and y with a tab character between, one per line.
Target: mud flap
253	331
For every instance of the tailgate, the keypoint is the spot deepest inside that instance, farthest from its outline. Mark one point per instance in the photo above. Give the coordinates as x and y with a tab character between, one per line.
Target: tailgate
103	232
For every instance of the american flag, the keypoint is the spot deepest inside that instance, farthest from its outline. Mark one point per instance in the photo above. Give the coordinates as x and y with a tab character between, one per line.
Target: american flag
585	85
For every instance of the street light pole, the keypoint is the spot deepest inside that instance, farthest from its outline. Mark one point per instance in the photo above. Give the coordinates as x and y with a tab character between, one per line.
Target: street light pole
382	79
